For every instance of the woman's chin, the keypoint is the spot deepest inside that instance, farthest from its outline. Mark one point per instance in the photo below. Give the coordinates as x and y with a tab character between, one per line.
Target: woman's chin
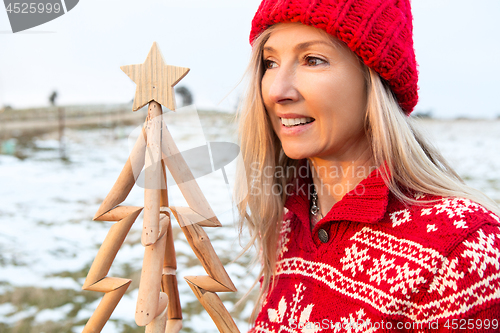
297	154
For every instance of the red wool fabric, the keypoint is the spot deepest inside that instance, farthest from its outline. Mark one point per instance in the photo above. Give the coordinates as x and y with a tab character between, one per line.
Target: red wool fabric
380	32
386	267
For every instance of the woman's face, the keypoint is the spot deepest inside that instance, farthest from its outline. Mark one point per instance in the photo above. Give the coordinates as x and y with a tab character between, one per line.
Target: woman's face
314	92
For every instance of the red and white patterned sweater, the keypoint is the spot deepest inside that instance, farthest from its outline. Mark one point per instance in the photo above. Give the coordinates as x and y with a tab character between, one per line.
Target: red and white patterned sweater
386	266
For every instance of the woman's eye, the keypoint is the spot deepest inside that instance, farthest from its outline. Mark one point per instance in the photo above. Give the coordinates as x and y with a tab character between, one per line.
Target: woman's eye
313	61
268	64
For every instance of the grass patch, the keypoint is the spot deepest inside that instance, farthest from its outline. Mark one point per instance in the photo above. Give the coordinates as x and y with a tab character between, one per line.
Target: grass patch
44	298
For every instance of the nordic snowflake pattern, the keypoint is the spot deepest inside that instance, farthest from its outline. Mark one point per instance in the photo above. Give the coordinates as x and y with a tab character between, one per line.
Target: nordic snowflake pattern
455	209
400	217
354	258
482	253
385	268
397	274
356	323
284	238
446	277
290	316
431	227
380	268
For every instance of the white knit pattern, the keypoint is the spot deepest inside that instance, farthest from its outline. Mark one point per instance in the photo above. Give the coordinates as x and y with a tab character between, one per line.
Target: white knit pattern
400	217
455	209
290	316
406	278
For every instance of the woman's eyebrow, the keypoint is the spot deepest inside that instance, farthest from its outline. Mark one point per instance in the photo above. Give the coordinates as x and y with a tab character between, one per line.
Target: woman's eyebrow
268	49
305	45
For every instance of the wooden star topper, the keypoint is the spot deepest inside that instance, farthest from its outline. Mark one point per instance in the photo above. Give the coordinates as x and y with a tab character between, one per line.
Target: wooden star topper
155	80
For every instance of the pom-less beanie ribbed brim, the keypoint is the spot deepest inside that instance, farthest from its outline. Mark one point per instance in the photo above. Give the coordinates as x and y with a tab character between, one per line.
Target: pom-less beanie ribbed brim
378	31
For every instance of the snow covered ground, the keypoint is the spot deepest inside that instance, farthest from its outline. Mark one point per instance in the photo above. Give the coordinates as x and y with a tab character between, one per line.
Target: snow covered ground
472	147
48	239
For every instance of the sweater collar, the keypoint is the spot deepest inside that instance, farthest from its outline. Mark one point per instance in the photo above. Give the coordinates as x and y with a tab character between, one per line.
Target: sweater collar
366	203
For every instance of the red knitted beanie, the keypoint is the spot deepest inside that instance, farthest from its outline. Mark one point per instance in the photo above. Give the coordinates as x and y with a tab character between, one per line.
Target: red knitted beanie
378	31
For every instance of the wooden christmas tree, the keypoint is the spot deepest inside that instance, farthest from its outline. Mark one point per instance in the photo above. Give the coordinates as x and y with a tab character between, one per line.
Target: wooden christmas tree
158	306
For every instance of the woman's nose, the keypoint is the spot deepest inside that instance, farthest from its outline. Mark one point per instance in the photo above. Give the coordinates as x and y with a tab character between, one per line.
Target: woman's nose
283	87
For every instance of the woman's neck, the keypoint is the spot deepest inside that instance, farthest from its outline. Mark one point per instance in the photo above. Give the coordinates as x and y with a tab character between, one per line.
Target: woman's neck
334	178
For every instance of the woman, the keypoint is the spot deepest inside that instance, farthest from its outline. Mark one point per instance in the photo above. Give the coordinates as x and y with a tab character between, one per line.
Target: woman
360	224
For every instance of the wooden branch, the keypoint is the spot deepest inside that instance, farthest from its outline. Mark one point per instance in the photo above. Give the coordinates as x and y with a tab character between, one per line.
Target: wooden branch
153	176
173	326
150	285
162	303
217	311
169	279
169	286
164	188
107	284
159	324
184	178
207	283
127	177
164	225
202	247
189	216
109	248
118	213
170	260
105	309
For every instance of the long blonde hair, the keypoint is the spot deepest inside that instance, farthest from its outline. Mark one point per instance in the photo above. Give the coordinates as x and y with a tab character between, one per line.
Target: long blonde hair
412	162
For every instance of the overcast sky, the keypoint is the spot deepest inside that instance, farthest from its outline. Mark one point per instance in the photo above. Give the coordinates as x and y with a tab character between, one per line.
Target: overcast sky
80	53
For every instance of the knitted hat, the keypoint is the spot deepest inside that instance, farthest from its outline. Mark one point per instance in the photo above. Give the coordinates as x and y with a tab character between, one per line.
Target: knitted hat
378	31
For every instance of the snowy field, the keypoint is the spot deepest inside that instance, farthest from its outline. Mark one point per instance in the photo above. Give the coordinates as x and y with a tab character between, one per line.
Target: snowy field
48	239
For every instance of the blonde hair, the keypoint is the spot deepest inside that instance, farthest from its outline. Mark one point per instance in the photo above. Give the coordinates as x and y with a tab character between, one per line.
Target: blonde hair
411	162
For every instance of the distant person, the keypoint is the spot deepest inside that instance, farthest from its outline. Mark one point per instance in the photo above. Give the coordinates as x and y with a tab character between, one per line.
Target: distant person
360	224
52	98
187	96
